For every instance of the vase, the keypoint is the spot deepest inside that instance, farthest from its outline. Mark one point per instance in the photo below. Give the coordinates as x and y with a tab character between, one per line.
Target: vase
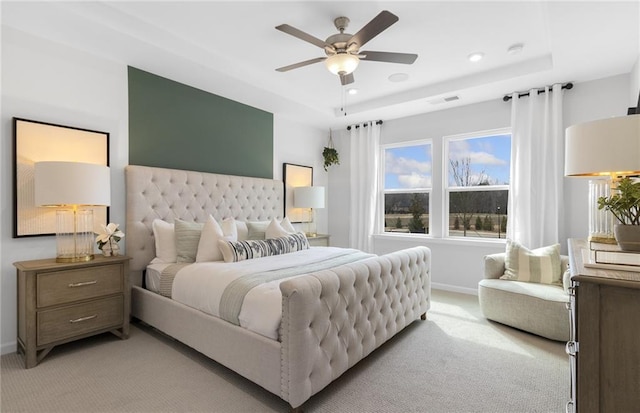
627	236
110	249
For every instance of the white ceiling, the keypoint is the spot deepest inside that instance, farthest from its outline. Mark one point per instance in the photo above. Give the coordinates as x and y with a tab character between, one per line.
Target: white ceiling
232	48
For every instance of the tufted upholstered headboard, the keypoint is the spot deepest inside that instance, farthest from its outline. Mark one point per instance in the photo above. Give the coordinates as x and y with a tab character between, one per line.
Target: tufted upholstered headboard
168	194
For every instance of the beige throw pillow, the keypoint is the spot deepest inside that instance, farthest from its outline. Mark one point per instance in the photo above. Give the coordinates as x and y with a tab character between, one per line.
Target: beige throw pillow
541	265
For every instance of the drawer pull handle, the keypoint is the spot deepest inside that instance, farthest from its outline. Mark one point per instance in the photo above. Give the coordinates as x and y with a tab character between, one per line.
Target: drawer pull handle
78	320
82	284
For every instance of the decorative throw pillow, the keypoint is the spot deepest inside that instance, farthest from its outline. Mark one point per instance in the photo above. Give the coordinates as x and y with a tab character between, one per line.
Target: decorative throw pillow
230	228
234	251
257	229
187	240
165	240
286	224
541	265
208	248
277	229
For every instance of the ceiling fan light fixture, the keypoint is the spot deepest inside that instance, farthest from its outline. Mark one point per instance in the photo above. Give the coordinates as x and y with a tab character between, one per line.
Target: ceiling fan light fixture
342	63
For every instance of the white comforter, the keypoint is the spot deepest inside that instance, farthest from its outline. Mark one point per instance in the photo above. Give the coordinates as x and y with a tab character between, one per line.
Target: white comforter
200	286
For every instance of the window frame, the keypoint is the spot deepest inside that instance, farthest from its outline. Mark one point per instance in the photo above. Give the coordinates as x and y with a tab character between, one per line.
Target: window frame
440	190
383	191
447	189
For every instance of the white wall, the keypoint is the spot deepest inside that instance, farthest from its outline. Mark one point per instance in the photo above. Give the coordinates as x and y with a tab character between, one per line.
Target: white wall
48	82
457	265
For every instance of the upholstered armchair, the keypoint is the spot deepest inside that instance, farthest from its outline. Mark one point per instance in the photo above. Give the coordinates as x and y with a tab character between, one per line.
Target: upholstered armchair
540	309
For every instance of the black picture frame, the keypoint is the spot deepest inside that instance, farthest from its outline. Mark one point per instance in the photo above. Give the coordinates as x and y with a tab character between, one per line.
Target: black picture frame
36	141
295	175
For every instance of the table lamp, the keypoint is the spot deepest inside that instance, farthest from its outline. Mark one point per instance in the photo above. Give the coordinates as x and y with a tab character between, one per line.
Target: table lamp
309	197
71	186
606	149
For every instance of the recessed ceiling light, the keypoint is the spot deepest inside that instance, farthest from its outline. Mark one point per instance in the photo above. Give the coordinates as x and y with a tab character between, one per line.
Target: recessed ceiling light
352	91
515	49
476	57
398	77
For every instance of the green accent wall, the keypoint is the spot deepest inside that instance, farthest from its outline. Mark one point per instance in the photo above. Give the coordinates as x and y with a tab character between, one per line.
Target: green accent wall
172	125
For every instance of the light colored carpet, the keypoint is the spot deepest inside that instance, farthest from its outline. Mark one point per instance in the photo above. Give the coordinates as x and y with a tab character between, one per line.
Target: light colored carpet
454	362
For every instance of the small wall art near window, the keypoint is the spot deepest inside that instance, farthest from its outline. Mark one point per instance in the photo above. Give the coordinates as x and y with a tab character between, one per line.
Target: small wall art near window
294	176
35	141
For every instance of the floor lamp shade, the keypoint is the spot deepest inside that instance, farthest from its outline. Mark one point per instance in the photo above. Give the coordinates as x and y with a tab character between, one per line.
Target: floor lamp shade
72	185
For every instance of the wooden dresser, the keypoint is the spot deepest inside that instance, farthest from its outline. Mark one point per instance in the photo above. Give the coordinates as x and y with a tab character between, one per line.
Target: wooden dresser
605	346
62	302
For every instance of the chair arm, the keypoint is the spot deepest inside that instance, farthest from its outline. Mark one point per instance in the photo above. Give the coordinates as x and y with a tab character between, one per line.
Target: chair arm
494	265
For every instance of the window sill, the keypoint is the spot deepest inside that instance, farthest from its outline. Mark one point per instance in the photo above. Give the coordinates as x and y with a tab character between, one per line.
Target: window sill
427	239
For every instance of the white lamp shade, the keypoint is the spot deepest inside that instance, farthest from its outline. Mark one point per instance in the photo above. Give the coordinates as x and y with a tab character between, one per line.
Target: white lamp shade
308	197
341	63
603	147
71	183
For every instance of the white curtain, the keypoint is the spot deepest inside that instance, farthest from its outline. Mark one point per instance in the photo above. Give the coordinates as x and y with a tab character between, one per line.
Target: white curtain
537	158
365	146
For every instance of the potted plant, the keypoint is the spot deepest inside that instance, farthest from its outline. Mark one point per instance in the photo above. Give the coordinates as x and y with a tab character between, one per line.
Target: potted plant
625	207
330	154
108	240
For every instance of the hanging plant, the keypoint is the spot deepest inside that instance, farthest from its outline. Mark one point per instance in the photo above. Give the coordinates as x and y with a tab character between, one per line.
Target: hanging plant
330	154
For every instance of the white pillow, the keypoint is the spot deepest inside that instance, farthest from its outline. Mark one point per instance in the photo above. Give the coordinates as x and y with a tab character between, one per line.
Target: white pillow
208	248
230	228
257	229
541	265
165	239
275	229
286	224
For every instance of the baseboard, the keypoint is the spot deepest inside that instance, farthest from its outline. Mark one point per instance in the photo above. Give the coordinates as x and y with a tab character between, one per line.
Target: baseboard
453	288
7	348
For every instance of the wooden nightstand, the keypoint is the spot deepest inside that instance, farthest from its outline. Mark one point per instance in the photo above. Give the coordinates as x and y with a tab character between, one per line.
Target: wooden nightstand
320	240
63	302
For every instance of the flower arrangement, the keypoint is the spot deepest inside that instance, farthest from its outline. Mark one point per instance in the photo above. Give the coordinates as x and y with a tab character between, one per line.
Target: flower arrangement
108	239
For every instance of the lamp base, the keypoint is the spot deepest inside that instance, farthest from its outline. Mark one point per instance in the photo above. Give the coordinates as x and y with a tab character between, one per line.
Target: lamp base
603	240
83	258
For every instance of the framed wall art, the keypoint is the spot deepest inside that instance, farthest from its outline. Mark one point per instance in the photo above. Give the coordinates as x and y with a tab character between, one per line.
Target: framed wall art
294	176
36	141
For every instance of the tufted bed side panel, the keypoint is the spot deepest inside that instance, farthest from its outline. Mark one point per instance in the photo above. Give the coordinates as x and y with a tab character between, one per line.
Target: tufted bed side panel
334	318
168	194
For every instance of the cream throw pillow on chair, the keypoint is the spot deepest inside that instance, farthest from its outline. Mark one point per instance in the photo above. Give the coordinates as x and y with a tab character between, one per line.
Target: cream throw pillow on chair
541	265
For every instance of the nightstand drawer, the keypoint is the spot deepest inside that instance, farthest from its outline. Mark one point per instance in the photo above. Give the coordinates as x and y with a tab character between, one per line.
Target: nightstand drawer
75	320
59	287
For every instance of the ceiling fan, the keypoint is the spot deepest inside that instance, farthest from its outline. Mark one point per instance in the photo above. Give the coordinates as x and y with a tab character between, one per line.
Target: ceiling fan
343	49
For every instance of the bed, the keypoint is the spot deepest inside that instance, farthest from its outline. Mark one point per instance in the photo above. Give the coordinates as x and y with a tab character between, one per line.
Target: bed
331	318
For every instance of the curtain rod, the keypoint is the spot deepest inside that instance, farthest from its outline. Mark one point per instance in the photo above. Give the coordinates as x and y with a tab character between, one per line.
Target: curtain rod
364	125
507	98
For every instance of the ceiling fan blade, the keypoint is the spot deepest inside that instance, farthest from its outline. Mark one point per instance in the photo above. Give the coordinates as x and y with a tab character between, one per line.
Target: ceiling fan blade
300	64
303	36
376	26
390	57
346	79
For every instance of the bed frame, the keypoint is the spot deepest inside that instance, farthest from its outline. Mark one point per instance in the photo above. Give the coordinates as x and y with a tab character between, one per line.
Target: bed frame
331	319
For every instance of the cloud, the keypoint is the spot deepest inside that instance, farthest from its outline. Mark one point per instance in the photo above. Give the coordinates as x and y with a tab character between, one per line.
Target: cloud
403	166
461	149
414	180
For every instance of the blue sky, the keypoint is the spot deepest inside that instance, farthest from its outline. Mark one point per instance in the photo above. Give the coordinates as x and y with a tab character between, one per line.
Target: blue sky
411	166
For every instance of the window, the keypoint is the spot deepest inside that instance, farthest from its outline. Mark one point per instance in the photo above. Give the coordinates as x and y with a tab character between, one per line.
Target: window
477	185
407	185
466	197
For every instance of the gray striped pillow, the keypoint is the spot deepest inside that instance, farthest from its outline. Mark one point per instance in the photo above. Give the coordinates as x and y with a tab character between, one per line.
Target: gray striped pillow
541	265
234	251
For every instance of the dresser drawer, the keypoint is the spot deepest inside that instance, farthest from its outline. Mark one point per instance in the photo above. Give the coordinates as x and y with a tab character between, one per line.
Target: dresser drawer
74	320
60	287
